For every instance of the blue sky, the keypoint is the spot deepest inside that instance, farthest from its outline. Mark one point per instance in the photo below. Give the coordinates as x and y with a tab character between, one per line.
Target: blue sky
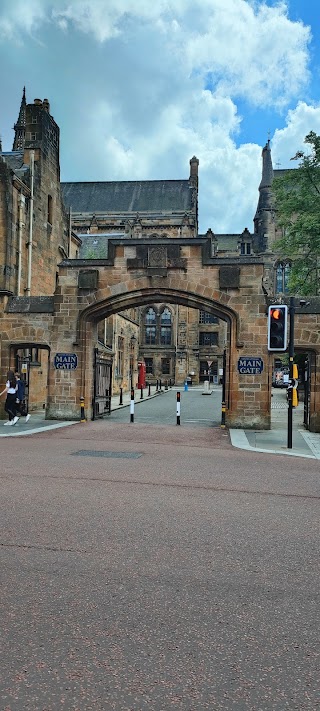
139	87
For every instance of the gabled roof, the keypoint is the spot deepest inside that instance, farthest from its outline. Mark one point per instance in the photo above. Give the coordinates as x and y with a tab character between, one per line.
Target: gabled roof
128	196
14	159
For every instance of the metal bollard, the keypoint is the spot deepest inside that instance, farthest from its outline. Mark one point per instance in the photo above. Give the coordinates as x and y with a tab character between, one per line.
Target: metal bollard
121	397
82	415
223	415
157	386
166	385
141	393
149	390
132	406
160	384
178	408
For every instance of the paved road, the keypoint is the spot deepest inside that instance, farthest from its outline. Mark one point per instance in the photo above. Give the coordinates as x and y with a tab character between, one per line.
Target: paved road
197	410
155	567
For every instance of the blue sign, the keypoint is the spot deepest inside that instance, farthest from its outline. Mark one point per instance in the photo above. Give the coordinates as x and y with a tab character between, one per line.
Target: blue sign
65	361
250	366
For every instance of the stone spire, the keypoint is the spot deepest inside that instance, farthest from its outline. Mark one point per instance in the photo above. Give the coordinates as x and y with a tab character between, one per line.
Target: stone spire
267	168
20	126
264	217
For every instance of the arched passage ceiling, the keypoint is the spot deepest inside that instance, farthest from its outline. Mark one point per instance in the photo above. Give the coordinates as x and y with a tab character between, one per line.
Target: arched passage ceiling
142	297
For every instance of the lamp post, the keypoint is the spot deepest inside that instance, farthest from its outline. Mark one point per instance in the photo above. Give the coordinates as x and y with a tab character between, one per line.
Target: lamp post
291	356
292	310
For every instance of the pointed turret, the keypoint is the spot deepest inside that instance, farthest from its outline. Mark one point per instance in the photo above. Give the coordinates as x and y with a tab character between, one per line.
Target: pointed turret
267	167
20	126
264	218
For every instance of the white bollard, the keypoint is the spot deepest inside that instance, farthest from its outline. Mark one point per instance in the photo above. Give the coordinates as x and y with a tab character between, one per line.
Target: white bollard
206	388
132	406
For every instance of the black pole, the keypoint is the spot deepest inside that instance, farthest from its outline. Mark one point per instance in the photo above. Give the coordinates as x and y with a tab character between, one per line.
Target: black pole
223	403
149	390
82	412
121	397
291	357
141	393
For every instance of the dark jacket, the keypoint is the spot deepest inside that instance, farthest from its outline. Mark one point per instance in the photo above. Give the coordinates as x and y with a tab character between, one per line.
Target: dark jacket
21	390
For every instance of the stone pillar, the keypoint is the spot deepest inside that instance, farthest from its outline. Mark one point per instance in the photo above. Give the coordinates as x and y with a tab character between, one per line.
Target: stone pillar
249	396
65	377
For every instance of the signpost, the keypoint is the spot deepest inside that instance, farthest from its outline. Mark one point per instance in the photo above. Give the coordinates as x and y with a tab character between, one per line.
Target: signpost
250	365
65	361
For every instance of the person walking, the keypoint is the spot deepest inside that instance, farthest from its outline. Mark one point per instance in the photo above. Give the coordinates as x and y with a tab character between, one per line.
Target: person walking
10	406
20	399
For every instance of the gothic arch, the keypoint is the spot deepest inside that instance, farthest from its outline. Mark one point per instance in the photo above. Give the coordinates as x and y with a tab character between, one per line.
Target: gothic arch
97	310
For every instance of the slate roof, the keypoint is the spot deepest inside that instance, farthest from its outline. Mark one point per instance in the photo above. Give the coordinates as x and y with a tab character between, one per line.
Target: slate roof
280	172
228	242
96	246
128	196
14	160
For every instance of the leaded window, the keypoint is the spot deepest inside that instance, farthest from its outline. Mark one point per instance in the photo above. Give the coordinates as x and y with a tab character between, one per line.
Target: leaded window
208	338
282	277
165	327
206	317
158	327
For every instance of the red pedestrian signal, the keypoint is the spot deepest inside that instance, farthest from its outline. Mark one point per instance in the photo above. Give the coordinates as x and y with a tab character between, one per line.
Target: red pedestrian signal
277	327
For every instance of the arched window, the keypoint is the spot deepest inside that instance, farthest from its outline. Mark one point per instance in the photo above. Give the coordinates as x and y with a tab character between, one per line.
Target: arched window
165	327
157	327
282	276
150	327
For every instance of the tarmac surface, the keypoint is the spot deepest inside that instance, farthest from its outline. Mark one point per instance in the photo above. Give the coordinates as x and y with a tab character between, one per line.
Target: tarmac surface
304	443
155	567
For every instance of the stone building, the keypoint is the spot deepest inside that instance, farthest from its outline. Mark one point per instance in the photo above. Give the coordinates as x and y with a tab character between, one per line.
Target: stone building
175	343
57	240
34	225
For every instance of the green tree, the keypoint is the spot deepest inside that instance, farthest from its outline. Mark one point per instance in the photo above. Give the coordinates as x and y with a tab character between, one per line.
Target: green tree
297	201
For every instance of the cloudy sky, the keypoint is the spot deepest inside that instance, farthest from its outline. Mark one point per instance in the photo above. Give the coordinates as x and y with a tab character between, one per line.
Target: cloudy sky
140	86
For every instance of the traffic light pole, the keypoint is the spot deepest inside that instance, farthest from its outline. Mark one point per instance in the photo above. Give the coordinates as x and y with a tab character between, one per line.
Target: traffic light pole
291	357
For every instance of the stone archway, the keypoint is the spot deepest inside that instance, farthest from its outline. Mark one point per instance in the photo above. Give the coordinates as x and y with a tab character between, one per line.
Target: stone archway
137	271
95	312
105	304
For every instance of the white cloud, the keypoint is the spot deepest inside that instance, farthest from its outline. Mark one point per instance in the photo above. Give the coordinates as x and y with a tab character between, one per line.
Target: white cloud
287	141
21	18
200	124
251	50
245	49
160	82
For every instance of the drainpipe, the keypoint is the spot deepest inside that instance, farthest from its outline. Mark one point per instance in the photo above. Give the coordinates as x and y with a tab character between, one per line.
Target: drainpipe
21	223
70	234
28	289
